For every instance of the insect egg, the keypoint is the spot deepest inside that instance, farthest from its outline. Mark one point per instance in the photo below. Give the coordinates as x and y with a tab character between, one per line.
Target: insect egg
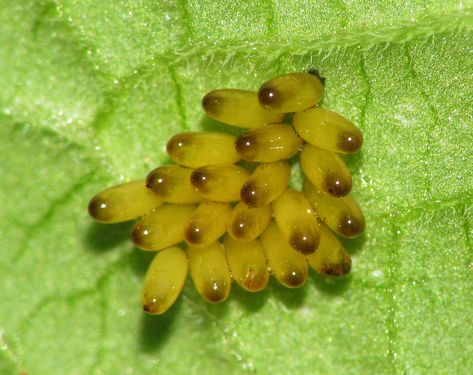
297	221
342	215
164	280
247	263
328	130
209	270
238	107
268	143
221	183
288	265
291	92
330	257
326	170
199	149
237	225
123	202
207	223
172	184
267	182
162	227
247	223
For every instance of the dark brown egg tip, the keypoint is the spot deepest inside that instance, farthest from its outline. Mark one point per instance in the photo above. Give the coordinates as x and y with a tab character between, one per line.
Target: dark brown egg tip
175	143
294	278
246	145
350	142
214	293
193	234
241	225
139	234
337	186
306	243
171	146
150	308
158	182
98	208
254	281
339	269
211	103
251	195
199	179
346	264
269	97
350	226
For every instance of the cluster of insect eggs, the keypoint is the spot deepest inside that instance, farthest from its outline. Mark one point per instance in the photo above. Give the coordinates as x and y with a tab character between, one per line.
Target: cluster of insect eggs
238	224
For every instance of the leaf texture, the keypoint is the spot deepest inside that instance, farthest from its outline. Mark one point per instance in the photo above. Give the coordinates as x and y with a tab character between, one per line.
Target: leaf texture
92	90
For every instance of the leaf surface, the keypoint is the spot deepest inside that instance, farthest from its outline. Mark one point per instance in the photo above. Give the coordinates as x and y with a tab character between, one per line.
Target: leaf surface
92	90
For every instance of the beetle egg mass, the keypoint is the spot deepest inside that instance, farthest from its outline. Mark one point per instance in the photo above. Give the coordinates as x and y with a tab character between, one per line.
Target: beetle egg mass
224	210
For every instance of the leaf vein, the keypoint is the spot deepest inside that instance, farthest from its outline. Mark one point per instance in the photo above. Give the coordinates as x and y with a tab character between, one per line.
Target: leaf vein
409	213
403	32
431	126
467	230
45	219
368	96
179	99
393	266
187	18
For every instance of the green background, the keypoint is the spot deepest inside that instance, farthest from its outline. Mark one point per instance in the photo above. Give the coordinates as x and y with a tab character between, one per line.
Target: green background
91	90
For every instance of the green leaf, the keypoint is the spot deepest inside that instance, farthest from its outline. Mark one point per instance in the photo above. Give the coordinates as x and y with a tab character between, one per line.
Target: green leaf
92	90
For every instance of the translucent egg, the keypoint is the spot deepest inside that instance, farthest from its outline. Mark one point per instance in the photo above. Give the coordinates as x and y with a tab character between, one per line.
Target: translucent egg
207	223
326	170
247	263
267	182
164	280
162	227
239	108
288	265
123	202
342	215
291	92
268	143
210	273
328	130
198	149
330	257
297	221
220	183
247	223
172	183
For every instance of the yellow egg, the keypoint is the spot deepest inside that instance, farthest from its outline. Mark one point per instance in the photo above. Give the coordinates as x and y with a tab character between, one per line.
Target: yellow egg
198	149
164	280
221	183
297	221
288	265
163	227
210	273
123	202
291	92
330	257
247	223
238	107
173	184
342	215
328	130
326	170
205	173
247	263
267	182
207	223
268	143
